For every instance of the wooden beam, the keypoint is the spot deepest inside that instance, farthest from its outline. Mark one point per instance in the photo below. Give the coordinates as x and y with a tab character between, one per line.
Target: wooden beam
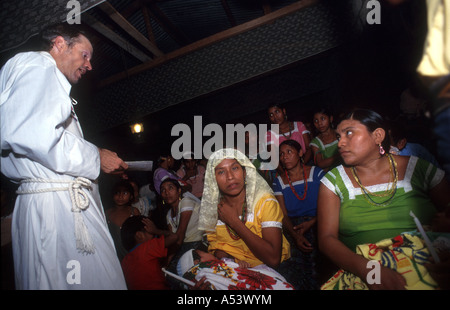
228	12
159	17
131	8
266	7
130	29
148	24
266	19
115	38
166	24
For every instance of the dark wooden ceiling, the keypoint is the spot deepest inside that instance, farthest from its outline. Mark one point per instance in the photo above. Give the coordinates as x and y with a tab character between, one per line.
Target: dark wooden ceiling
132	37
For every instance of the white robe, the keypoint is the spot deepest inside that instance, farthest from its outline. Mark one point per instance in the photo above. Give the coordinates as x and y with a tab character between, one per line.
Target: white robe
41	138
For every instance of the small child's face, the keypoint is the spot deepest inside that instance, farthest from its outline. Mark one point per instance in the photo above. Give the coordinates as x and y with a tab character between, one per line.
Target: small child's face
321	122
121	197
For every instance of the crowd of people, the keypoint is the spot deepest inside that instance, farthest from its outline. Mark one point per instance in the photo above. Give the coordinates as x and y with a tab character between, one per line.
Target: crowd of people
303	223
221	222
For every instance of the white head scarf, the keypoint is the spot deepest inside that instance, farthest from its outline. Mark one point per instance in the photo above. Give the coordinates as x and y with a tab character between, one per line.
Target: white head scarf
185	262
255	187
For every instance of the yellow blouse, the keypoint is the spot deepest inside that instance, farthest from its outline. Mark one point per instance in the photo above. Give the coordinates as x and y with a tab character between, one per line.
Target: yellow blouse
267	213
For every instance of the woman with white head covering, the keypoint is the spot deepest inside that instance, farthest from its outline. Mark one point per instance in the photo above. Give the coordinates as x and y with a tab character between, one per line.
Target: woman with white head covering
239	212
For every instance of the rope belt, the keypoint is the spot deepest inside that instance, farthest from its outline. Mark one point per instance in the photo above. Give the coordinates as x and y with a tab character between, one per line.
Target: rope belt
80	202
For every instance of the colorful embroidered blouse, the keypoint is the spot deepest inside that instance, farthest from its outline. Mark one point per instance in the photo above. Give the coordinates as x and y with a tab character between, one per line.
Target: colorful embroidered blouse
267	213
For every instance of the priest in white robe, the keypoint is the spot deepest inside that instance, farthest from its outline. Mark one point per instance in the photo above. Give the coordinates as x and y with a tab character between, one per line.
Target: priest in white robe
59	232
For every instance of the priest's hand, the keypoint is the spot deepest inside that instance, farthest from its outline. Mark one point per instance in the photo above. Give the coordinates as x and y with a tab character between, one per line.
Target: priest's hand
111	163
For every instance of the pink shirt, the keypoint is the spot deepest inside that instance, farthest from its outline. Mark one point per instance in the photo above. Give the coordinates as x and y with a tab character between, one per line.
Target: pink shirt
295	134
196	181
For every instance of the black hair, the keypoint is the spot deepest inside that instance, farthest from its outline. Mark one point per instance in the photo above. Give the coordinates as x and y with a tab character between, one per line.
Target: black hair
173	181
128	231
125	184
372	120
397	130
322	110
195	255
291	143
70	33
275	104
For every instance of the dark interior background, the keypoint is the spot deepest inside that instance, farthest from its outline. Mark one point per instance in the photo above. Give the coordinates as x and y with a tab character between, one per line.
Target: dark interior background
349	63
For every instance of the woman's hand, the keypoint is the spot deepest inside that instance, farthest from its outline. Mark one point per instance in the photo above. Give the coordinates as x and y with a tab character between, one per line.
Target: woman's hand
389	280
219	254
303	243
440	272
202	284
243	264
227	214
305	226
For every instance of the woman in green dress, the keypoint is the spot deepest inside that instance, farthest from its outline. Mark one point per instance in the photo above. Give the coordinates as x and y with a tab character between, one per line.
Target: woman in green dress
324	145
370	197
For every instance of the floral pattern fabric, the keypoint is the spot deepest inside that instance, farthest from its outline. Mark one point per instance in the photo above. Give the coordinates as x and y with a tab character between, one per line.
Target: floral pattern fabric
227	275
404	253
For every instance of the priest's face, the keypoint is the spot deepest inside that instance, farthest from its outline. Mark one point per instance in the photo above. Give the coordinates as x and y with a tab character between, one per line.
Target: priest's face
75	60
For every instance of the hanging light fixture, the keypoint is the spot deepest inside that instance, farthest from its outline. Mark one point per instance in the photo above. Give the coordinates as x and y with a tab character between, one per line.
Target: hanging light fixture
137	128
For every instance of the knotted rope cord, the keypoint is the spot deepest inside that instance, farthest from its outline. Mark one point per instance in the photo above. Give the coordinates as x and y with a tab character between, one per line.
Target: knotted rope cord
80	202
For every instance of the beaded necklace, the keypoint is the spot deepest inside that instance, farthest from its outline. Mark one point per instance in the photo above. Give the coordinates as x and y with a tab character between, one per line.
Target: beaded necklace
231	232
389	192
290	131
292	187
174	219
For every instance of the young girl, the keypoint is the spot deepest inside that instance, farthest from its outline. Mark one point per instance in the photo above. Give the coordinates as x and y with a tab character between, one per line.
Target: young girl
123	196
182	217
296	191
193	174
288	130
324	145
182	220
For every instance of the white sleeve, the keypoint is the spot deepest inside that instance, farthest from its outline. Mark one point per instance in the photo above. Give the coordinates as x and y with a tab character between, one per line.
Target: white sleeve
186	204
33	116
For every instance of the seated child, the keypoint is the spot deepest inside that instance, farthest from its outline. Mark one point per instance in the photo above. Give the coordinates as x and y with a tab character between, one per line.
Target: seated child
226	274
147	247
401	146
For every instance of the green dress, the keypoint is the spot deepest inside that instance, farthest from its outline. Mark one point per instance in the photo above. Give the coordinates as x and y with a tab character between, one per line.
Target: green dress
361	222
327	150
